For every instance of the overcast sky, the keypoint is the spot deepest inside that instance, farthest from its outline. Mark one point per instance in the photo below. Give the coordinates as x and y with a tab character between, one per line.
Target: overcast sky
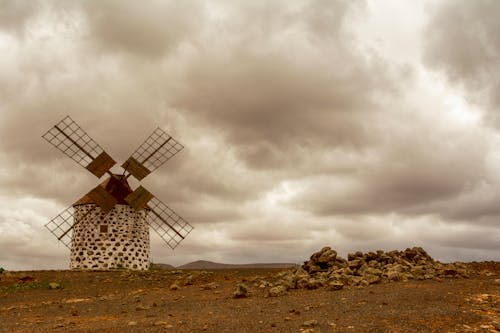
359	125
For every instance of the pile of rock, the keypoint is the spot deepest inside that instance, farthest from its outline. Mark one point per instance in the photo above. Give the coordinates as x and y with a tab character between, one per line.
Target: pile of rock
327	270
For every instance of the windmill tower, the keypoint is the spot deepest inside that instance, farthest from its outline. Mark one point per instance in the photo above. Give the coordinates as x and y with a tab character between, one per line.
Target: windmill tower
109	226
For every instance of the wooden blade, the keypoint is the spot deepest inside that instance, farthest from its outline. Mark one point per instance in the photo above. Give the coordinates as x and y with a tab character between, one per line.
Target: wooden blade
139	198
136	169
102	198
101	164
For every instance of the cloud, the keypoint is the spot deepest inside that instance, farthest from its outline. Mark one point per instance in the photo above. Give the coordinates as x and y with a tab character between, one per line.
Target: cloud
463	43
299	130
134	28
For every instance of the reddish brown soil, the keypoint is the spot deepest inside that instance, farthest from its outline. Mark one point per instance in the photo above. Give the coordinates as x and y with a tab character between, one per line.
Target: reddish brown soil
143	302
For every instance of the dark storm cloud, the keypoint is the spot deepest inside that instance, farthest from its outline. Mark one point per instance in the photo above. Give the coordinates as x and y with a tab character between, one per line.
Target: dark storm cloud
463	42
140	29
296	136
15	14
278	89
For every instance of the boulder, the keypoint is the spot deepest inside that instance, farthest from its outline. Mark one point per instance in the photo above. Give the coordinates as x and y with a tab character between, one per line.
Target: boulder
277	291
335	285
327	255
241	291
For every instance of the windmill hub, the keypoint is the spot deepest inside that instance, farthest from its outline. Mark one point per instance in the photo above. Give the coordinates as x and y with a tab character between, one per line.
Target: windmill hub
109	226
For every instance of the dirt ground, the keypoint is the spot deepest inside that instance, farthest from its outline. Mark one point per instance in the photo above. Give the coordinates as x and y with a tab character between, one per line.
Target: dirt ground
123	301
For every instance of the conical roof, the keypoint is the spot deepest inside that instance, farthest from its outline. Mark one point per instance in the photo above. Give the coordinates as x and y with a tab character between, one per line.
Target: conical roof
116	185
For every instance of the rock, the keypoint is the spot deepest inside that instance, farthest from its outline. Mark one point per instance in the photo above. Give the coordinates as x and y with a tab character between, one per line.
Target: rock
54	285
496	325
347	271
288	282
374	271
327	255
335	285
310	324
314	283
241	291
160	323
373	279
210	286
355	263
393	276
26	278
450	269
363	269
302	283
486	272
174	286
188	281
132	323
363	283
311	267
355	280
277	291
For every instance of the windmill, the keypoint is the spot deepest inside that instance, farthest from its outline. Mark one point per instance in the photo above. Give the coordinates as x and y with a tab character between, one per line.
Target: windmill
109	226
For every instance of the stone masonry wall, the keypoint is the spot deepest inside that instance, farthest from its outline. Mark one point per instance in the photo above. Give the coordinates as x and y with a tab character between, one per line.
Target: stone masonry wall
117	240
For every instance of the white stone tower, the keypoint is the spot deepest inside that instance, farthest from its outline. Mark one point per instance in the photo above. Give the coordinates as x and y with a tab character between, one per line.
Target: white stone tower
119	239
112	240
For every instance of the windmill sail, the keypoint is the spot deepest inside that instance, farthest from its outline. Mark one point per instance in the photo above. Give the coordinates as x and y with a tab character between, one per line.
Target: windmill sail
167	224
158	148
62	225
75	143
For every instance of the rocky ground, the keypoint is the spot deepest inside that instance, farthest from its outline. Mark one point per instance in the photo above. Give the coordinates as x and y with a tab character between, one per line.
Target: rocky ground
397	291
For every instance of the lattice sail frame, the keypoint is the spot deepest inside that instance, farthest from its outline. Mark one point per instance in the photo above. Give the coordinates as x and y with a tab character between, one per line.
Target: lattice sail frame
167	224
65	218
158	148
70	138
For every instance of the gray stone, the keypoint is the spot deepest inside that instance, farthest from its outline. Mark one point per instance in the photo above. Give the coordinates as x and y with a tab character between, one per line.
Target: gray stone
277	291
335	285
393	276
310	323
328	255
210	286
372	279
314	283
241	291
302	283
54	285
188	281
355	263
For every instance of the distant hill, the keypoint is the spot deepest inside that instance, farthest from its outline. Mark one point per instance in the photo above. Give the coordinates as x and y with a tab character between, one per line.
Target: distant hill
203	264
